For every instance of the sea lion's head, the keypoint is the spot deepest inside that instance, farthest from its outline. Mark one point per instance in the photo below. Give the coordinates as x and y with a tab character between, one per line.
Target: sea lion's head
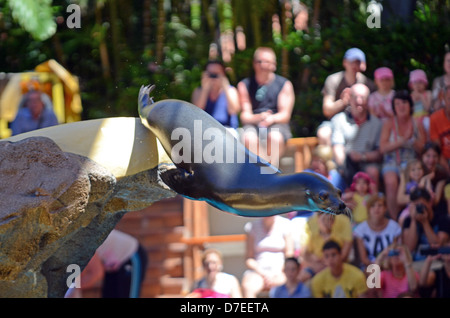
319	195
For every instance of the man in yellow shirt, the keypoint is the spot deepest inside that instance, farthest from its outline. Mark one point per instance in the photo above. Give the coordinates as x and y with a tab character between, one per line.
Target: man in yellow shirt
338	279
319	229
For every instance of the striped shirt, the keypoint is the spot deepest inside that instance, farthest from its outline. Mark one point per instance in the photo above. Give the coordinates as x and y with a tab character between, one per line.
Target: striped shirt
360	138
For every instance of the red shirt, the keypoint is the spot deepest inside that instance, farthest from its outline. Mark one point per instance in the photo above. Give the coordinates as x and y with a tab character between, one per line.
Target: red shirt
440	131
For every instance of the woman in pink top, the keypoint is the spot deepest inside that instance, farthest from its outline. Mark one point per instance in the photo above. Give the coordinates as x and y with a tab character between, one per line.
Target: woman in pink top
399	278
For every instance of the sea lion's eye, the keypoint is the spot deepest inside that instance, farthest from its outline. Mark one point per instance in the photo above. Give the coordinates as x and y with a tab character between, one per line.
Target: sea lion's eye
323	195
308	193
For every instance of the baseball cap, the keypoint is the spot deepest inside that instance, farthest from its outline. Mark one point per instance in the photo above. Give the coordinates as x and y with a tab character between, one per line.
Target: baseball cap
383	72
418	76
354	54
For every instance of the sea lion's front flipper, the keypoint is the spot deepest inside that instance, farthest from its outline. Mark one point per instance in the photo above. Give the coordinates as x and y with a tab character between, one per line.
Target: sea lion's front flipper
177	179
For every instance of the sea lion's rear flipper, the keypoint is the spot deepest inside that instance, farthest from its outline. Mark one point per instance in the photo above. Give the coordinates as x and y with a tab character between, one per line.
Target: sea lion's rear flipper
177	179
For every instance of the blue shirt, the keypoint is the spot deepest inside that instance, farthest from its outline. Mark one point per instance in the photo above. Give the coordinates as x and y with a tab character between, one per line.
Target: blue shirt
302	291
219	110
24	121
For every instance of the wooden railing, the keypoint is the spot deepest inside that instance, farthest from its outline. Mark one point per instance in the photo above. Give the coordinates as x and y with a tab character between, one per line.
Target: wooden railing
303	151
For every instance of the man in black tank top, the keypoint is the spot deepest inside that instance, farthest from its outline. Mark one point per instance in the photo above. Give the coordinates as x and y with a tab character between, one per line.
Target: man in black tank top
267	100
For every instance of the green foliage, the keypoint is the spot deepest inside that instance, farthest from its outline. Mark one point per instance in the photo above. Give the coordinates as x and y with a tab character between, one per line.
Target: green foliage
35	16
190	27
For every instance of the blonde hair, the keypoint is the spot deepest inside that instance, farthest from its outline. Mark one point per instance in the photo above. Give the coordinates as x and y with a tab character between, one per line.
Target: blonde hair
409	166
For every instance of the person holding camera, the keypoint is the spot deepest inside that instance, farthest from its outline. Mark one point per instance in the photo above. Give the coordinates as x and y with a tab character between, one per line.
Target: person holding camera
423	229
216	96
398	276
435	283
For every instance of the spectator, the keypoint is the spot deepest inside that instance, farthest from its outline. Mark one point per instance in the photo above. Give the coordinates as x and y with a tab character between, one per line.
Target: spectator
380	101
120	264
440	128
439	84
357	195
35	112
434	173
411	178
216	283
336	90
435	283
400	277
293	288
322	163
377	232
421	97
402	139
269	242
356	136
267	101
338	279
424	228
216	96
321	228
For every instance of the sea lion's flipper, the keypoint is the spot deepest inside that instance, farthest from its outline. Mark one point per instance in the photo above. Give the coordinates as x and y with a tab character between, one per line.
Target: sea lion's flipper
177	179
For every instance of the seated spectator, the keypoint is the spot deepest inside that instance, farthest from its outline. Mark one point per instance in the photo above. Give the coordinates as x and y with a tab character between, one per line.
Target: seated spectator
377	232
435	282
421	97
293	288
216	96
434	173
35	112
356	136
411	178
322	163
336	90
380	101
423	227
119	263
399	277
357	195
267	101
402	139
321	228
440	128
338	279
269	242
439	85
215	283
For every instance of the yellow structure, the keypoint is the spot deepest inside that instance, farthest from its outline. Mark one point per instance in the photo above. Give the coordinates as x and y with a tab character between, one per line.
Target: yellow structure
49	77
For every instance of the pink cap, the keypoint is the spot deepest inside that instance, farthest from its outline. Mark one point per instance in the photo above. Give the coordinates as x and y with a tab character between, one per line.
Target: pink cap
383	72
418	76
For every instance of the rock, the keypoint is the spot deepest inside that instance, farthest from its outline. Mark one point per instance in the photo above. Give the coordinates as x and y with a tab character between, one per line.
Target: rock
56	208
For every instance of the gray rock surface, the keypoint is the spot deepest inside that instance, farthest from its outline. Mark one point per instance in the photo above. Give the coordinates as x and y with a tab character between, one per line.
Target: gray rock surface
56	208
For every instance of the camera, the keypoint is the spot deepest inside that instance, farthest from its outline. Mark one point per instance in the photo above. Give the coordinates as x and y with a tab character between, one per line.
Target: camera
213	75
420	208
393	252
435	251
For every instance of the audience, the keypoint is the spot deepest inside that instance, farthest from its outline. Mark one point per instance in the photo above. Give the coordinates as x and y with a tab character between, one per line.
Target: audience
399	276
319	229
402	138
356	136
440	128
376	233
267	100
339	279
269	242
215	283
357	195
435	282
439	83
336	90
293	288
380	101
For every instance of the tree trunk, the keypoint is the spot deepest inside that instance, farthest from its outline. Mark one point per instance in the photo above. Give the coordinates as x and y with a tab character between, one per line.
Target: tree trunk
160	32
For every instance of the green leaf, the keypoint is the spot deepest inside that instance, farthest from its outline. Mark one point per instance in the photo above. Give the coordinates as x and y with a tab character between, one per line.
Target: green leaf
35	16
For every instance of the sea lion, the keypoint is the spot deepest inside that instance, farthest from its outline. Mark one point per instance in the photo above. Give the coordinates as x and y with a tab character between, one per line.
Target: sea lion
210	164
